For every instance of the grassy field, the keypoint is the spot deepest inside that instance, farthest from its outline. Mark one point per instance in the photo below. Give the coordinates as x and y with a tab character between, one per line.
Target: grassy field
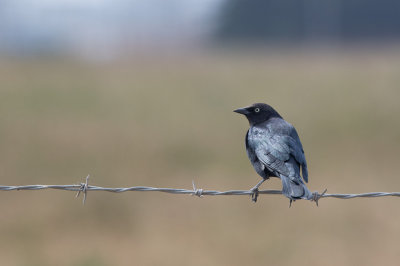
165	121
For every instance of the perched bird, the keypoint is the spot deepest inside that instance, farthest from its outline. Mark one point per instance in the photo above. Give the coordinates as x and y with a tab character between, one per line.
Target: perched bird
275	150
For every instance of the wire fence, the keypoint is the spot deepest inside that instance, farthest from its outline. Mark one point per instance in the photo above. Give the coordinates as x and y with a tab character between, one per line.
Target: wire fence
85	187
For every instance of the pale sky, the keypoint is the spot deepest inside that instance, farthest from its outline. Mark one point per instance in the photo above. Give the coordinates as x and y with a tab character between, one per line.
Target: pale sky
80	24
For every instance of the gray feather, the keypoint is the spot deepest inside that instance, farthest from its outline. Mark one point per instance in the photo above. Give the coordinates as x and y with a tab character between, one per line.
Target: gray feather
276	144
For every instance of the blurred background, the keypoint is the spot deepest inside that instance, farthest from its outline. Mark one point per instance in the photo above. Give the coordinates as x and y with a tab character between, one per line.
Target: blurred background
142	92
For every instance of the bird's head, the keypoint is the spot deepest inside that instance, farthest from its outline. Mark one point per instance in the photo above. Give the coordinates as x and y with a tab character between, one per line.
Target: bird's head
258	113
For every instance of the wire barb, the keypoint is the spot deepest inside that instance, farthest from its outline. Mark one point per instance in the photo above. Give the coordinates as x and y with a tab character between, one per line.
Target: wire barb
316	196
197	192
83	188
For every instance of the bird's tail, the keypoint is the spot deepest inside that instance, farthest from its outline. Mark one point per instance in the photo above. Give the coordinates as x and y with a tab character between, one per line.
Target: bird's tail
294	189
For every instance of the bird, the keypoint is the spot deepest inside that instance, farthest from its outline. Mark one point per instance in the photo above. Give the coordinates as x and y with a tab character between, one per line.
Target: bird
275	150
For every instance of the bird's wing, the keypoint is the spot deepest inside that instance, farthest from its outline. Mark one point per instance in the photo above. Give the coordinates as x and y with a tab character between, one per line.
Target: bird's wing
273	152
298	153
276	148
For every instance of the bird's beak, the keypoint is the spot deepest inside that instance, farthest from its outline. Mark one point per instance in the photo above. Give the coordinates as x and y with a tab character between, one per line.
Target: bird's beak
243	111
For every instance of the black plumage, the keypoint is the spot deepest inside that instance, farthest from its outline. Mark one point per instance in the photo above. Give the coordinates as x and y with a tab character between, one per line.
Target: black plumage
274	149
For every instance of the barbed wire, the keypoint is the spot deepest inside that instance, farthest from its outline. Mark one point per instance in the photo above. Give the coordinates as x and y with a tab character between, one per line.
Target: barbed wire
85	187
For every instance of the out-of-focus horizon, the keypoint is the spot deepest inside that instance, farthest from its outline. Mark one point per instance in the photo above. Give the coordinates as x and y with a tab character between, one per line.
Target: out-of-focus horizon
102	29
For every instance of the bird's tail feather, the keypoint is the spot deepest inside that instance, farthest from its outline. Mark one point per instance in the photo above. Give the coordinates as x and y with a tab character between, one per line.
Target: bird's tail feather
295	189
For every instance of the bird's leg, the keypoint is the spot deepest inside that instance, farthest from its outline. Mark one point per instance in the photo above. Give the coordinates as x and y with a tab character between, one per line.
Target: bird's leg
291	201
254	195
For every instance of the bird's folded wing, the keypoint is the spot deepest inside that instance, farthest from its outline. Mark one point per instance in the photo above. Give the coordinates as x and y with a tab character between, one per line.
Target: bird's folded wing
275	151
296	149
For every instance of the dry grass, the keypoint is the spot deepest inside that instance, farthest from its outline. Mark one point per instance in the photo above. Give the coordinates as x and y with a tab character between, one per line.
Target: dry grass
165	121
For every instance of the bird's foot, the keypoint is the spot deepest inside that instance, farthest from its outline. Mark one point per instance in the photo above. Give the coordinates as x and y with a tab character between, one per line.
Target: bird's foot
255	191
290	202
254	194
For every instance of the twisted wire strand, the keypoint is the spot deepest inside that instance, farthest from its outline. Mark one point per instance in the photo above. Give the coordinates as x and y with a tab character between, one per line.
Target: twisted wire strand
196	192
85	187
362	195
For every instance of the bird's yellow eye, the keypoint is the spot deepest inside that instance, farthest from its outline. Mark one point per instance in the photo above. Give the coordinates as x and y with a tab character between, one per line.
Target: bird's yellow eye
257	110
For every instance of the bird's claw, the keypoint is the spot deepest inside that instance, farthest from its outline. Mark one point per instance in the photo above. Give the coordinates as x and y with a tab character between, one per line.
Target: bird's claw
254	194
